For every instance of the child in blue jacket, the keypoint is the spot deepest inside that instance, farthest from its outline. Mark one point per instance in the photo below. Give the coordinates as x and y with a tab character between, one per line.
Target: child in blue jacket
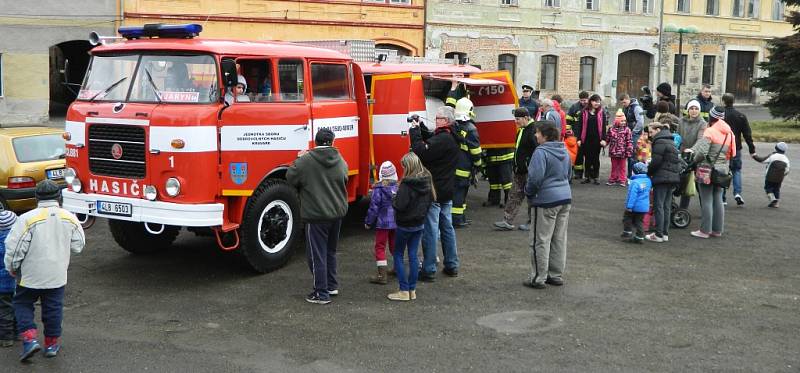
637	204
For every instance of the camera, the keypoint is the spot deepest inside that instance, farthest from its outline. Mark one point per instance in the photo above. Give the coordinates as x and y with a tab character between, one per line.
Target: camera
647	98
413	118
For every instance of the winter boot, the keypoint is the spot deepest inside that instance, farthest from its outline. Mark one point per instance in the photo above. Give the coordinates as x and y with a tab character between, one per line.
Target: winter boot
51	346
401	295
380	276
30	345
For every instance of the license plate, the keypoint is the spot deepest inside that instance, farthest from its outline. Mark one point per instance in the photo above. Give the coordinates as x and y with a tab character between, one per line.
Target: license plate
55	174
114	208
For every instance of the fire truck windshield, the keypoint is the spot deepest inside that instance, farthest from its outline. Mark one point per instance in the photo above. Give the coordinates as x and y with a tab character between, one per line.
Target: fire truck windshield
151	78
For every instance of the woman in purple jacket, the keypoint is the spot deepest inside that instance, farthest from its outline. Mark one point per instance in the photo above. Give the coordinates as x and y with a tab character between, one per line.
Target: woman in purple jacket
381	217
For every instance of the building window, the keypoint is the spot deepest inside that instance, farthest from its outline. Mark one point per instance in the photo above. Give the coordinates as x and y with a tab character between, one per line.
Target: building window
508	2
708	69
586	82
712	7
778	10
752	8
549	72
457	57
552	3
684	6
679	70
738	8
507	62
592	4
629	6
647	6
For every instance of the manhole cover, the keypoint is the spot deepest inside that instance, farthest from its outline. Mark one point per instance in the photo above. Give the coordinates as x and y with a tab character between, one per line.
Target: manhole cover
520	322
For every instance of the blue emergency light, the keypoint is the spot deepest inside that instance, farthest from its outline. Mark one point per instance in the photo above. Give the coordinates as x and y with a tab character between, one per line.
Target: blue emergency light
159	30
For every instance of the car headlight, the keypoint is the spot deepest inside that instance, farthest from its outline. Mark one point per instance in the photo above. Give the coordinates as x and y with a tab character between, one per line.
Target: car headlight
150	192
75	184
173	187
69	175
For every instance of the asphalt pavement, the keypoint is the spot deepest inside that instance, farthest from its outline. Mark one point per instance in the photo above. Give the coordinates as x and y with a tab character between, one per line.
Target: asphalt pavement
723	304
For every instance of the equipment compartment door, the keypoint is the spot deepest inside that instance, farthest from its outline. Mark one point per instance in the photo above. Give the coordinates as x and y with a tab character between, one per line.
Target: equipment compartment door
494	98
390	107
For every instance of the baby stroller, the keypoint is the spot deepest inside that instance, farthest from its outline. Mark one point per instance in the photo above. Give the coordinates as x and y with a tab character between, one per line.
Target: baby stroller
680	217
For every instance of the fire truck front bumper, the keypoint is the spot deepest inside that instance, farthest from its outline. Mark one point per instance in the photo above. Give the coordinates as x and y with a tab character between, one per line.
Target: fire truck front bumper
141	210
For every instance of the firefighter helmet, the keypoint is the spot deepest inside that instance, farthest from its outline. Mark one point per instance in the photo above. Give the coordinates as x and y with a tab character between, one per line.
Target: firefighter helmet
463	110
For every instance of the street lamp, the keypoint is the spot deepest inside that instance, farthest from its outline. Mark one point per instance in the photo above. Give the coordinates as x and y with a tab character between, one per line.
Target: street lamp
681	31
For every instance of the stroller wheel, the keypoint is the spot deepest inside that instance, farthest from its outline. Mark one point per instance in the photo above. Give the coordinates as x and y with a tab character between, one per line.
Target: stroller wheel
681	218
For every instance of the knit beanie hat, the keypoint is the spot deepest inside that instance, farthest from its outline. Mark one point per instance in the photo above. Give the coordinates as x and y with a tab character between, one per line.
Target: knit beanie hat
781	147
717	112
639	168
47	190
620	117
694	103
388	172
665	89
7	219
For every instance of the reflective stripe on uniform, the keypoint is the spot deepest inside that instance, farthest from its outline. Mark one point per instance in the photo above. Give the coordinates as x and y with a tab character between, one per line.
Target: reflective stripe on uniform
508	186
476	151
464	147
501	158
462	173
495	186
578	167
451	101
458	210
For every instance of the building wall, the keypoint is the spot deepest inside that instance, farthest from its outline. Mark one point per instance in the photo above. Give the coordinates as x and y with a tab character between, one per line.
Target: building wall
717	36
401	25
486	29
26	35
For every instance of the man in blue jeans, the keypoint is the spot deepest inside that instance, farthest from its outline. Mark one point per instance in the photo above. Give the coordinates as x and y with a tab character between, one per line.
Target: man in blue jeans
741	128
439	154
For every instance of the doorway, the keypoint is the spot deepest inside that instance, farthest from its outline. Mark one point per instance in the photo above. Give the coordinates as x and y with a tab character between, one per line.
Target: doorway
739	77
633	72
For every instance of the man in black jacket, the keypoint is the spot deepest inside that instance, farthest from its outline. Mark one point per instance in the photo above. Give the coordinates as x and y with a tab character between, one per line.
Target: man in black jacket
664	93
740	127
573	113
320	176
525	145
439	154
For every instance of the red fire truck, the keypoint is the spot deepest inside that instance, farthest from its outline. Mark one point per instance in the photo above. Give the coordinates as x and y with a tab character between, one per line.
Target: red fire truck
161	138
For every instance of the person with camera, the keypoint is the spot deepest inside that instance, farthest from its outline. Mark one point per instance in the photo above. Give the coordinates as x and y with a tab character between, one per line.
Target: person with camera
591	133
439	154
712	154
572	115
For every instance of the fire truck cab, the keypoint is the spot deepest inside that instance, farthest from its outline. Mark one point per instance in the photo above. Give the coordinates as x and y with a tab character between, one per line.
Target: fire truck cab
172	131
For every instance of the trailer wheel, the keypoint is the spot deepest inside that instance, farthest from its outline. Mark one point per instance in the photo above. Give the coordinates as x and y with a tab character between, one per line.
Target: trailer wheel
270	226
134	238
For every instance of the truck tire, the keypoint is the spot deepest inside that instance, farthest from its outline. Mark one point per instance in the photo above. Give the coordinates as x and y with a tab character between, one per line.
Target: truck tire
135	239
270	226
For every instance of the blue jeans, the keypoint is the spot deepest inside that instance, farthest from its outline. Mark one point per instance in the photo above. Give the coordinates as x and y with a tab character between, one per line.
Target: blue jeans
439	221
407	237
52	309
736	170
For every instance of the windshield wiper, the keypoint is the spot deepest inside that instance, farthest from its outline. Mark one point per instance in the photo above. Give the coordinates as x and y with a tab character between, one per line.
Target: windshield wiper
104	92
153	84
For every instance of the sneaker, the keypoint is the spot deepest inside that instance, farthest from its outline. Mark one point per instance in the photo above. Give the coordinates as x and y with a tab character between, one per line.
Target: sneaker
535	285
412	294
524	227
316	299
653	238
623	184
29	348
462	224
426	277
503	225
611	183
595	182
773	204
700	234
739	199
555	281
402	296
333	292
637	240
626	234
715	234
586	181
665	238
452	272
52	351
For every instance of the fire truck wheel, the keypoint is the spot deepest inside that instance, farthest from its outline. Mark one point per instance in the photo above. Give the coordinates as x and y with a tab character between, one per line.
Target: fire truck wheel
270	226
134	238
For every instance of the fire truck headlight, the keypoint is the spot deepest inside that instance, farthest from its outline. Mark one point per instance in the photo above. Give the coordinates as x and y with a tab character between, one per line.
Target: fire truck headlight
173	187
69	175
75	185
150	192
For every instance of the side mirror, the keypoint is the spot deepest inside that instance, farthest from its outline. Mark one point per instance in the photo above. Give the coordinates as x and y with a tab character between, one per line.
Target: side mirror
229	75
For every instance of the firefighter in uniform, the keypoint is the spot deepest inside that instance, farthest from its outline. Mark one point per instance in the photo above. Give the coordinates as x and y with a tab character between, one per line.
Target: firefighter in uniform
573	113
469	159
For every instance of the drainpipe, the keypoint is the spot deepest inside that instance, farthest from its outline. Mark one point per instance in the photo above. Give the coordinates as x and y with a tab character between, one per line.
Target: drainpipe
424	52
660	42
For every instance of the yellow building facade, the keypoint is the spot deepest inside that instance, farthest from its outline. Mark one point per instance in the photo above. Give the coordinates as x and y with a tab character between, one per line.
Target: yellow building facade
730	41
393	24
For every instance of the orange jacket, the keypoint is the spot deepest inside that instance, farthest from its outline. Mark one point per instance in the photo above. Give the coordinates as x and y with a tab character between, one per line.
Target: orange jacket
571	142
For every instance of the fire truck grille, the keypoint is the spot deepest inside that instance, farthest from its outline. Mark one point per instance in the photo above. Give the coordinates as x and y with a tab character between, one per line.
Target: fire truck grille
117	150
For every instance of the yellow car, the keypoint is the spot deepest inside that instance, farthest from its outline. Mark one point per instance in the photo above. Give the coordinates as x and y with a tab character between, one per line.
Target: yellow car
27	156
